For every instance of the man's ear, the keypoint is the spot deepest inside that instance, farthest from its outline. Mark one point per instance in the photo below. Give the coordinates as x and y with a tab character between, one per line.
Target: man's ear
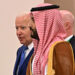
67	25
31	24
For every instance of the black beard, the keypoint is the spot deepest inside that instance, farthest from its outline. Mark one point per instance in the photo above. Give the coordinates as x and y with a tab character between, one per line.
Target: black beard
35	34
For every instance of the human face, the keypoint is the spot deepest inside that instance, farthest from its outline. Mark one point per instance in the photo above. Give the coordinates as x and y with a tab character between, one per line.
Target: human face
33	29
23	31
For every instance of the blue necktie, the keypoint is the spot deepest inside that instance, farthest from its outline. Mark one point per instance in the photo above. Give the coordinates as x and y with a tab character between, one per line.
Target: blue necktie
23	56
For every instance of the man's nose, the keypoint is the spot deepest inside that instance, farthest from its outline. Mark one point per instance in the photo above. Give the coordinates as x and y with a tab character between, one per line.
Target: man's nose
19	31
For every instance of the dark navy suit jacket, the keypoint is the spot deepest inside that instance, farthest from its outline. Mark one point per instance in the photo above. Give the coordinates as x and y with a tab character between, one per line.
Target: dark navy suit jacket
22	70
72	42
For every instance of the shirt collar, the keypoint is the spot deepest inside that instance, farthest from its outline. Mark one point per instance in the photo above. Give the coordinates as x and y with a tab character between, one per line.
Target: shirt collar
68	38
30	46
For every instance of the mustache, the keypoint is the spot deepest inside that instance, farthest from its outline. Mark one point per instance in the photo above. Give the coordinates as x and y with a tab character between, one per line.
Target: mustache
35	34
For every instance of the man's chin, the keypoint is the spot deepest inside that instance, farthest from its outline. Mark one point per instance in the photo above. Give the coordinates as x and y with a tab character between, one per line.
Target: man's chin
21	42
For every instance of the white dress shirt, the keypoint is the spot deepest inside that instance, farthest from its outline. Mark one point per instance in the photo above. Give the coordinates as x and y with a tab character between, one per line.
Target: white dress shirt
30	46
68	38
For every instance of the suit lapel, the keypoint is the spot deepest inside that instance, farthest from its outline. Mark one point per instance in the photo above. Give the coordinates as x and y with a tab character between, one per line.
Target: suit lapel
72	39
24	65
72	42
17	60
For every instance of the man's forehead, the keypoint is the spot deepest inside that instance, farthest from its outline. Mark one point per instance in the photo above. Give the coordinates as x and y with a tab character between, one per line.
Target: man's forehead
23	18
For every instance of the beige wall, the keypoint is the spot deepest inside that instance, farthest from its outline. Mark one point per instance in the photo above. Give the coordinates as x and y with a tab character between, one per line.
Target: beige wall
8	40
64	4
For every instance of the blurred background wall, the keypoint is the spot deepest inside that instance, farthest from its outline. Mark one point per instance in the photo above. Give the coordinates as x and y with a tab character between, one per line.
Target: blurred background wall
9	43
64	4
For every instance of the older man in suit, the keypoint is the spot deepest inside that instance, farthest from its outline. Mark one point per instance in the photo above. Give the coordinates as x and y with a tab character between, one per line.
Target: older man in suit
26	50
68	20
